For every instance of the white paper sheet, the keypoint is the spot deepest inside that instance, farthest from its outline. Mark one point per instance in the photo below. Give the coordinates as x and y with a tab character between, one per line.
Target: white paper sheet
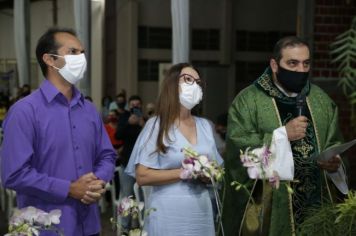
333	151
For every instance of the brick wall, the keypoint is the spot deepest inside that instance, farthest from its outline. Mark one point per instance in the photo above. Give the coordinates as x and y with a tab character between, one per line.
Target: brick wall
333	17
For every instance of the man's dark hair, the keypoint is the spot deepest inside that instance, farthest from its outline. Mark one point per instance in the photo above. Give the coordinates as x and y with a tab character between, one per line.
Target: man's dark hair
135	97
48	44
121	95
289	41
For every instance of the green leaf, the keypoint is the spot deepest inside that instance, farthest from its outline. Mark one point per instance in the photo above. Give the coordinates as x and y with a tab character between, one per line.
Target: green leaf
338	49
289	189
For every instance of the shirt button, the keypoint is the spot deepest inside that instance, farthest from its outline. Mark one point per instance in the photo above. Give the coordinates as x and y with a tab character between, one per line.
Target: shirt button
79	167
76	148
73	126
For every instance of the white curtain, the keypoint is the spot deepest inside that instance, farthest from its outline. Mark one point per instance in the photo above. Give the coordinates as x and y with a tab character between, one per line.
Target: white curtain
82	26
22	39
180	29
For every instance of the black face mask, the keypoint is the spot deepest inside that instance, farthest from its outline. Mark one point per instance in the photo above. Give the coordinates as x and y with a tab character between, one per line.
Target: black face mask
136	111
121	105
292	81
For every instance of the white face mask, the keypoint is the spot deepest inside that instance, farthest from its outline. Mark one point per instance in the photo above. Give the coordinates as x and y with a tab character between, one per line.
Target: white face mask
74	69
190	95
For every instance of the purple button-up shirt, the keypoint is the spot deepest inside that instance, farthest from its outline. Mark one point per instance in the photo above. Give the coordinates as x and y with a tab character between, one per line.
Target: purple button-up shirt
49	143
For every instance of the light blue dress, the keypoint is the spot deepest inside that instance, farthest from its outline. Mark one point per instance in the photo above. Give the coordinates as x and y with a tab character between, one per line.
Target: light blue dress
182	208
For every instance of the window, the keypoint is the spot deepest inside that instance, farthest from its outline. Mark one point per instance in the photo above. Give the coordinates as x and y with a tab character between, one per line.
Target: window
205	39
148	70
249	71
258	41
154	37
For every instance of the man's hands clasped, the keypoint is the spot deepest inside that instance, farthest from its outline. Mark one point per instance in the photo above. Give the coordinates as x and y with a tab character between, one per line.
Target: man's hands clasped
88	189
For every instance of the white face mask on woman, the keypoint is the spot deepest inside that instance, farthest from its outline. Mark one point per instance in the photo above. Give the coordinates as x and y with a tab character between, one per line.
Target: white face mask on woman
190	95
74	69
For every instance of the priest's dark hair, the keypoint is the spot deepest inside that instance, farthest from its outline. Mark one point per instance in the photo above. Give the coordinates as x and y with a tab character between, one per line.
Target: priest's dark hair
289	41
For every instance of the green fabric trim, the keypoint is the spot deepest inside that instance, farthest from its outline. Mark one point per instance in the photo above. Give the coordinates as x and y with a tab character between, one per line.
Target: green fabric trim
265	84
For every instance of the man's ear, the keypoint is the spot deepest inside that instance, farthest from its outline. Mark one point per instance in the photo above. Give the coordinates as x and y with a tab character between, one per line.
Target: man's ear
48	59
274	65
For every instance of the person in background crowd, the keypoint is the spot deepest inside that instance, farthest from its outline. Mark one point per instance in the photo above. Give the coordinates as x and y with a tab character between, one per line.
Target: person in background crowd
26	90
3	111
120	106
120	102
56	153
182	207
220	129
150	110
88	98
128	130
111	127
105	103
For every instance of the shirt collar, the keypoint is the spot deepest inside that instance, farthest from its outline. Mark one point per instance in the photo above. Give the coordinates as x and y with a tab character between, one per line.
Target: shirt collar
50	92
77	97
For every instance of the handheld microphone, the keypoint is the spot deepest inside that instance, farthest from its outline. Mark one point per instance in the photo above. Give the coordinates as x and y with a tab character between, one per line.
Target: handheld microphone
300	103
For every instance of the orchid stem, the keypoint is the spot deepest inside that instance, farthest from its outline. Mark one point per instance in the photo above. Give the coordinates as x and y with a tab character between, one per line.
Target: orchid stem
218	204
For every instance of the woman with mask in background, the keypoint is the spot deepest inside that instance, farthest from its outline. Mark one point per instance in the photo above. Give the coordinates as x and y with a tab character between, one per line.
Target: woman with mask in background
182	207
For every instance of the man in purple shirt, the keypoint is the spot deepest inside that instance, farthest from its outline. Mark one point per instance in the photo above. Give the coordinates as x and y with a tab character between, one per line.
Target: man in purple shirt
56	153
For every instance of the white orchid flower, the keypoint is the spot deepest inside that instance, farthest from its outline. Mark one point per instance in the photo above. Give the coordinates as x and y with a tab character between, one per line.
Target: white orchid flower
203	160
54	216
43	219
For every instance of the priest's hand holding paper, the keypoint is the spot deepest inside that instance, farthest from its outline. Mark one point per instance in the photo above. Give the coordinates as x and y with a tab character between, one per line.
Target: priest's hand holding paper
331	165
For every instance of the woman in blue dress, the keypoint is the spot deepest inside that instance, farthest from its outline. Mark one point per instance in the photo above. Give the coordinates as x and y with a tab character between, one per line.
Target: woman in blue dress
183	207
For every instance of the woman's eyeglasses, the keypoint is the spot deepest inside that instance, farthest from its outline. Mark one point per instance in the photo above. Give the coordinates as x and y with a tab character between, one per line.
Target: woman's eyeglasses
188	79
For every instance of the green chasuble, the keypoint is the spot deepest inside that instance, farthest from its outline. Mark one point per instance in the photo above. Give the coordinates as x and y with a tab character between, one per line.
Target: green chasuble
253	116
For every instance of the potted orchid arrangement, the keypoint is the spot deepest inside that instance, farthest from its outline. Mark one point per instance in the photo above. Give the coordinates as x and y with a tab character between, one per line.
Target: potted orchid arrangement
129	207
30	221
195	166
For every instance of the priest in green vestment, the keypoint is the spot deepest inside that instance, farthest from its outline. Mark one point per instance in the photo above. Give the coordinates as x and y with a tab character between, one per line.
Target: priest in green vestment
282	108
